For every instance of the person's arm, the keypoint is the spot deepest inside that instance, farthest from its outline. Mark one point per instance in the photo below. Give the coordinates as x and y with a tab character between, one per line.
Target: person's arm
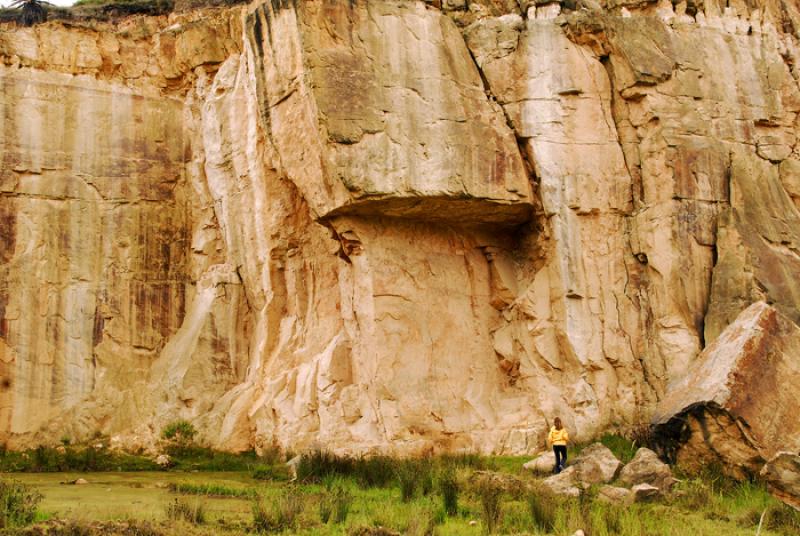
566	435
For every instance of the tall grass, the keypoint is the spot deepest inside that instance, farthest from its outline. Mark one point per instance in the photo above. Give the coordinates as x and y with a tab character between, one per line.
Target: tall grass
210	490
279	514
180	510
448	488
490	493
375	471
18	504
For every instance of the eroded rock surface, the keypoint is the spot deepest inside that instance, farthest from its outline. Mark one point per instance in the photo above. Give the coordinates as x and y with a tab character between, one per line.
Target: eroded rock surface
388	225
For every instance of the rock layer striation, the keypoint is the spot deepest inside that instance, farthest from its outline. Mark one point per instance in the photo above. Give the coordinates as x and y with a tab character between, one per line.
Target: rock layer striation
384	224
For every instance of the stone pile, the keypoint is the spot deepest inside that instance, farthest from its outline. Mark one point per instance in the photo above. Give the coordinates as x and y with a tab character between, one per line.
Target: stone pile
644	478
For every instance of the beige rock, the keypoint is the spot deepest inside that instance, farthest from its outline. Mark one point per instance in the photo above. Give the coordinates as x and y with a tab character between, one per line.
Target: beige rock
564	483
647	468
596	464
542	464
613	494
730	406
386	226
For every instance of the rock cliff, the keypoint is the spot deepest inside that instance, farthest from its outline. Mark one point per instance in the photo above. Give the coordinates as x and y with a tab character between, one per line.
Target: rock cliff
388	224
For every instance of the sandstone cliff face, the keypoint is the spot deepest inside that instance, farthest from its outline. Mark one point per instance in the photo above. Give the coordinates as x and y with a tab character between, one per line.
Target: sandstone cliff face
400	225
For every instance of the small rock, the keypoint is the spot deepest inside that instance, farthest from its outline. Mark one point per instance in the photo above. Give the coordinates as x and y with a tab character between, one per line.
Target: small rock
644	493
81	481
579	532
647	468
613	495
163	460
472	523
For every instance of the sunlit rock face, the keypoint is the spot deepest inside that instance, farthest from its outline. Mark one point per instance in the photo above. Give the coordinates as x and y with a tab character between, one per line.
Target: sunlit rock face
395	225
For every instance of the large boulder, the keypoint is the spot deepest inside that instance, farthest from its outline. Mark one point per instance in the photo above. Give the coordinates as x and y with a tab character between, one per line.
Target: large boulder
596	464
542	464
782	474
737	404
647	468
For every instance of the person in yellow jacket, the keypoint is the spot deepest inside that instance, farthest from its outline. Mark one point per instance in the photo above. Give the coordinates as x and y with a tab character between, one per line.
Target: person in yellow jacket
558	438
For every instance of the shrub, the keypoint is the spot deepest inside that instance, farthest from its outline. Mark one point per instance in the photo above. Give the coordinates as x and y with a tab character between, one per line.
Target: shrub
448	487
490	493
181	510
278	515
181	431
18	503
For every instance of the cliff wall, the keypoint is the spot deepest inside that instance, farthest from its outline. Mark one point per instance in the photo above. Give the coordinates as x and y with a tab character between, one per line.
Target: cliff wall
387	224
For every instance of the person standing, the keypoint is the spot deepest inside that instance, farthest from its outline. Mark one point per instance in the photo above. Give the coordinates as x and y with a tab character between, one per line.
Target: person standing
558	438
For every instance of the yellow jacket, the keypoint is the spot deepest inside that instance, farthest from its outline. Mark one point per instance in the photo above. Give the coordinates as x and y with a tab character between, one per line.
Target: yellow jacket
558	437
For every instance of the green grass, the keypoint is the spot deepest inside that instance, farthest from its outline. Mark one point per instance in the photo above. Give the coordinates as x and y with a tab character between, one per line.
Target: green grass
341	505
211	489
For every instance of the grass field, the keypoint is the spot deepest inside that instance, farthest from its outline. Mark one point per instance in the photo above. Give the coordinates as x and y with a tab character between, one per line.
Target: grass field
225	502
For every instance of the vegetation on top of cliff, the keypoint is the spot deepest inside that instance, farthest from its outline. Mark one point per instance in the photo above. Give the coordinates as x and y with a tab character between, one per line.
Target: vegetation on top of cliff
30	12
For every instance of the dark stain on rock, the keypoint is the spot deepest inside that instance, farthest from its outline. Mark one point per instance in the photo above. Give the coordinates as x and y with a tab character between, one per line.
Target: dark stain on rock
8	232
97	330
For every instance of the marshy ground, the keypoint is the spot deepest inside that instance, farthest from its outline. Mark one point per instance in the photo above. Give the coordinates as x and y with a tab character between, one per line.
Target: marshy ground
458	495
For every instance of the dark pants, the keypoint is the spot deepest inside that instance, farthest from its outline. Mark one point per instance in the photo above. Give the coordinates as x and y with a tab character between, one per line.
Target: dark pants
561	457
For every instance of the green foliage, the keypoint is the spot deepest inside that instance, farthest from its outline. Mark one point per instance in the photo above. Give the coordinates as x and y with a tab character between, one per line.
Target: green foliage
180	431
449	489
273	473
375	471
72	458
210	490
18	503
277	515
195	458
194	513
